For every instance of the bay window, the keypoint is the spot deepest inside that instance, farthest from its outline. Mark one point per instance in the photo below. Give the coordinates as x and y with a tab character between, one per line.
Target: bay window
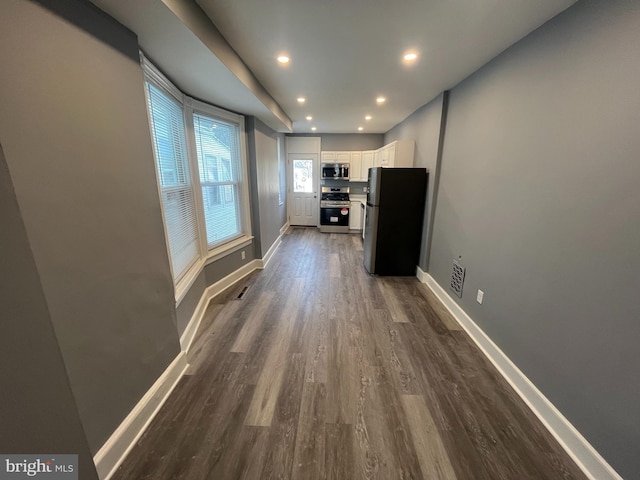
202	177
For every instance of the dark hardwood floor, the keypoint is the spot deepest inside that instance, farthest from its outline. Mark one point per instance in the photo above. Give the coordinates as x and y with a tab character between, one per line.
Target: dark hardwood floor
323	372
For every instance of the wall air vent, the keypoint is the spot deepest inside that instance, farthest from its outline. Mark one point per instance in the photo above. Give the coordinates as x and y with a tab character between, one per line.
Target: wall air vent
457	277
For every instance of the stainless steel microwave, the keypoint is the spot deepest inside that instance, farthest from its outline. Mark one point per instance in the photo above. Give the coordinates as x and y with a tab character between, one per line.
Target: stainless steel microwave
334	171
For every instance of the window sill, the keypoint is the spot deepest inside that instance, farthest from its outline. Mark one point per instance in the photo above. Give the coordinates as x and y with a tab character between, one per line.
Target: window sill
186	282
228	248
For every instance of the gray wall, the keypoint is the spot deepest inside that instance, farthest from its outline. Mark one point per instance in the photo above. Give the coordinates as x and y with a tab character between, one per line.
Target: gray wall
539	195
266	169
226	265
32	371
425	127
187	306
76	139
347	141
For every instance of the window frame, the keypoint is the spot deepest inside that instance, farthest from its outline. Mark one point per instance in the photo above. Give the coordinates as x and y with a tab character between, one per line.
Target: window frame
189	106
193	106
155	78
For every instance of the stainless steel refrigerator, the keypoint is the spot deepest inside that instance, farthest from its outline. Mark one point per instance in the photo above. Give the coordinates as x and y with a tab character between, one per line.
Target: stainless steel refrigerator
394	218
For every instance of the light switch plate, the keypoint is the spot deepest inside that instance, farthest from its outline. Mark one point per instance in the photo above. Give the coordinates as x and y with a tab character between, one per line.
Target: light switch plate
480	296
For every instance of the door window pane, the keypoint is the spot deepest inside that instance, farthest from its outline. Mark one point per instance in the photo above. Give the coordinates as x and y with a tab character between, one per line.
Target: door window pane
303	176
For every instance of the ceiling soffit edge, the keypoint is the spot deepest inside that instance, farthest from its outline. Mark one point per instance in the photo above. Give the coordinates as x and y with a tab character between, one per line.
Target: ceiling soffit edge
196	20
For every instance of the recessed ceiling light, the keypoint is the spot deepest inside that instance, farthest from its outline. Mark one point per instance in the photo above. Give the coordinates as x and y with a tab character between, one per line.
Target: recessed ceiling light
309	117
283	59
301	99
381	100
410	57
367	118
360	129
313	128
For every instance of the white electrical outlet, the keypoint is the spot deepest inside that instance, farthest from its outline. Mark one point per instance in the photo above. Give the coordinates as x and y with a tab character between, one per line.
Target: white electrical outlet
242	255
480	296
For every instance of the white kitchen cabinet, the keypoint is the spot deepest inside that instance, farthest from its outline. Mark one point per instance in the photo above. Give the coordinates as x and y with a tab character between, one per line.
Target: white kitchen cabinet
399	154
374	159
328	157
343	157
383	157
337	157
367	163
355	172
392	155
355	216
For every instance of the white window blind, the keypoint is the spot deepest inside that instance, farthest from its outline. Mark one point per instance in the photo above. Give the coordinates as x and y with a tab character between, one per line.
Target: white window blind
220	167
169	142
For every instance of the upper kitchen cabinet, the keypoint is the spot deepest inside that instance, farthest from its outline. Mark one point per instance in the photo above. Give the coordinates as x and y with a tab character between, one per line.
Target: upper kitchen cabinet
355	173
382	157
326	156
398	154
368	161
343	157
337	157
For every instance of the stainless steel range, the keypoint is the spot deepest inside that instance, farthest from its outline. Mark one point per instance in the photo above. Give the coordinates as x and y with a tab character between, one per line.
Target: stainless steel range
334	209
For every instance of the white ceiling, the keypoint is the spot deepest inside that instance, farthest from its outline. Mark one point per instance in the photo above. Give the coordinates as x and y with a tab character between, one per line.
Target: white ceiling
344	53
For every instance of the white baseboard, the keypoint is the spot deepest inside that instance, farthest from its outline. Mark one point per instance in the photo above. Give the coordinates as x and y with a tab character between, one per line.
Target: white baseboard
271	251
116	448
579	449
422	276
284	228
194	322
211	291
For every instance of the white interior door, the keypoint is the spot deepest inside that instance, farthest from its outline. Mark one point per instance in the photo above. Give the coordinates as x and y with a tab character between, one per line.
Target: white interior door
303	192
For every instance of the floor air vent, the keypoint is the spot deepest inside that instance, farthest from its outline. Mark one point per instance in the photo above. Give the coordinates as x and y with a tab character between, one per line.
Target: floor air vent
241	294
457	278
